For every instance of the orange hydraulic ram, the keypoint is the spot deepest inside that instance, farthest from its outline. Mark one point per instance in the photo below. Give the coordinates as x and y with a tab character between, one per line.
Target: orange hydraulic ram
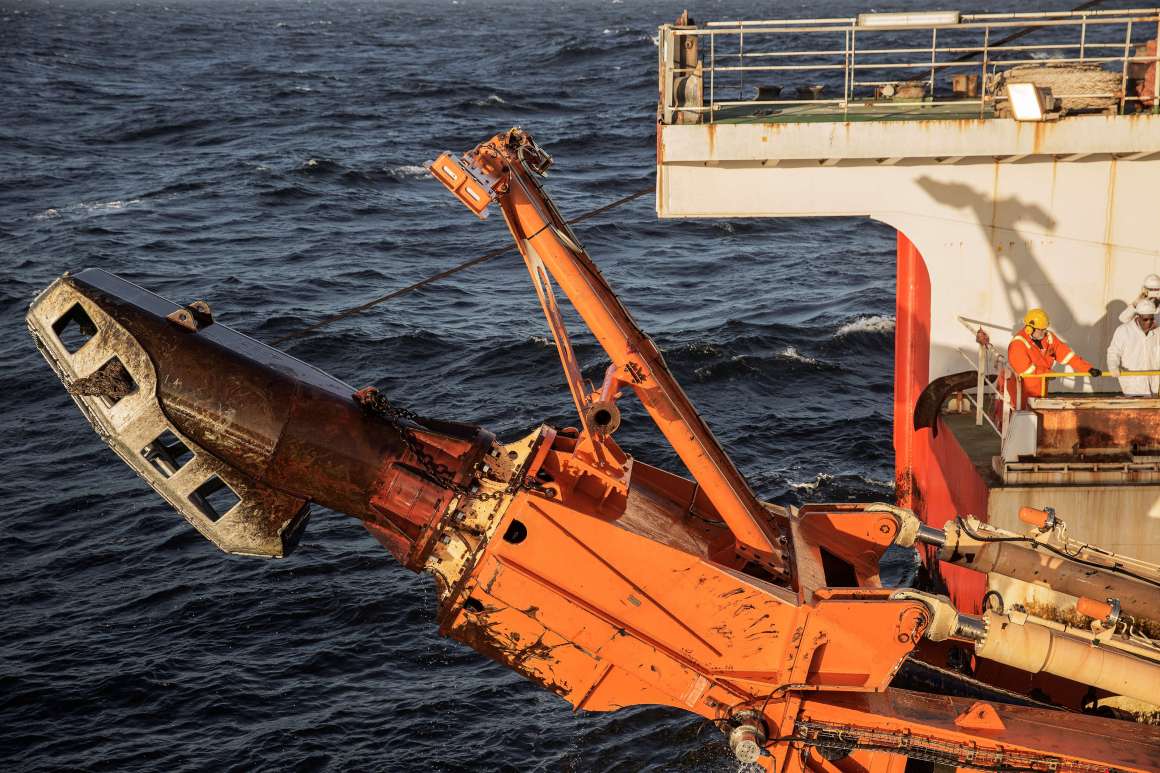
505	169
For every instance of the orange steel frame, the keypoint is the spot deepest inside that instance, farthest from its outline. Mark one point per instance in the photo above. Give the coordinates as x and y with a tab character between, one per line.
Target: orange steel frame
618	584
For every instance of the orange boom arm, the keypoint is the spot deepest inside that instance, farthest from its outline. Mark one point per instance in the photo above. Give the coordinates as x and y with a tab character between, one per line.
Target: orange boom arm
505	169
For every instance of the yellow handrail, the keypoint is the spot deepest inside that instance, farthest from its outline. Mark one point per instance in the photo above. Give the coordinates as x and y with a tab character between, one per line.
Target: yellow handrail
1113	374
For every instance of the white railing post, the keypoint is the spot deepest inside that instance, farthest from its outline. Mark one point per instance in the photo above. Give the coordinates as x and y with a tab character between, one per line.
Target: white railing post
1124	73
741	62
1156	72
667	55
846	78
983	71
853	54
980	386
933	49
712	76
1007	373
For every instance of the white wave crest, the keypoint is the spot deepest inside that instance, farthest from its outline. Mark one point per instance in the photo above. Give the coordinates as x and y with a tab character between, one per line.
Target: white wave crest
492	99
88	206
106	205
406	171
811	485
83	208
873	324
825	477
886	485
703	349
792	353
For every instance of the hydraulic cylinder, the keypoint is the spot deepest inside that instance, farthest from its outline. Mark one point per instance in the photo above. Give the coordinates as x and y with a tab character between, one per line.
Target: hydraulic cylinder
1036	648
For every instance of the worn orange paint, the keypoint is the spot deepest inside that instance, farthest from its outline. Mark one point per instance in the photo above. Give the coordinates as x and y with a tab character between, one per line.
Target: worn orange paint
851	534
685	593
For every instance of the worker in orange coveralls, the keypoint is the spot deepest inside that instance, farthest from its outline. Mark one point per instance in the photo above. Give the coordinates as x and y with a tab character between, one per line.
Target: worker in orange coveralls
1035	349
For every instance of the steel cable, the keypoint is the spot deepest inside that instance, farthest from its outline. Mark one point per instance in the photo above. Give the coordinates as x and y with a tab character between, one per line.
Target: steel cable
444	274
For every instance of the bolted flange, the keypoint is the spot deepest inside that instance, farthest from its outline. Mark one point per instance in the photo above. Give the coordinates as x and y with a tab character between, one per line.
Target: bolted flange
748	737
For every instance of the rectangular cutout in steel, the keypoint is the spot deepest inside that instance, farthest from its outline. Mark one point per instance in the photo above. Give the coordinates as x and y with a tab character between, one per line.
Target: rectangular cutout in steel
111	382
74	328
214	498
167	454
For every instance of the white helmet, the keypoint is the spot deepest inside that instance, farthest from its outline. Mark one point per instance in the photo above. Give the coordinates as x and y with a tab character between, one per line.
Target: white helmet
1152	282
1145	308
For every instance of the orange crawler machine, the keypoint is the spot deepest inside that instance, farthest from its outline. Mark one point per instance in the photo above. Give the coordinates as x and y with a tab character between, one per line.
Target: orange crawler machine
609	581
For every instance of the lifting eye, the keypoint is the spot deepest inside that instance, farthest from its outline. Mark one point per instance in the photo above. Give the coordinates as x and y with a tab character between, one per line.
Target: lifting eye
516	532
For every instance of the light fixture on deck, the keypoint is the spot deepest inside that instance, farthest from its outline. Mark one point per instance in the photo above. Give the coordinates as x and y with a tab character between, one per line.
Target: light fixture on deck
909	19
1026	101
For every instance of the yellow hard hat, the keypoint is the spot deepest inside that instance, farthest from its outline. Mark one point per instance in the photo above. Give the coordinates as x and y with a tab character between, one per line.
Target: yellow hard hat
1037	319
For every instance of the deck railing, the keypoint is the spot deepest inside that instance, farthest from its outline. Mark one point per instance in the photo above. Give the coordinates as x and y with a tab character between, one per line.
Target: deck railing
992	403
895	62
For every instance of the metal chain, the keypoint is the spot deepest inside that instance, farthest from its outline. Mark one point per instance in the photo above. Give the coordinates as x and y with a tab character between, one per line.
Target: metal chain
444	274
842	740
377	404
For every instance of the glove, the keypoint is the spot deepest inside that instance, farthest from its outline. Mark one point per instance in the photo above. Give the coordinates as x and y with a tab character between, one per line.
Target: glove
1095	372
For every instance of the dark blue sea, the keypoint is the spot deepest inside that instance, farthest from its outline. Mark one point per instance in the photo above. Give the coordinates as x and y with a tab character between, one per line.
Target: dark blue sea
268	157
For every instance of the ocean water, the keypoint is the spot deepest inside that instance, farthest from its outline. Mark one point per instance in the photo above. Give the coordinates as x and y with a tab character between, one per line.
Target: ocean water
268	157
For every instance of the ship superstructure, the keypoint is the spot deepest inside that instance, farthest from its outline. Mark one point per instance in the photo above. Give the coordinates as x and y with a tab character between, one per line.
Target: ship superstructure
1017	155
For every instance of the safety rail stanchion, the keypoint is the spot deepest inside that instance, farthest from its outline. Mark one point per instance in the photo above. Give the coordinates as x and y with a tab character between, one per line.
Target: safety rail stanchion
741	62
712	77
979	389
1156	77
668	43
983	71
1124	69
846	87
933	57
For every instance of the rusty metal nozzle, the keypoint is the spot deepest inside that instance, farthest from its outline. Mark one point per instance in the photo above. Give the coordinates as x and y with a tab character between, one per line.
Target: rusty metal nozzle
238	437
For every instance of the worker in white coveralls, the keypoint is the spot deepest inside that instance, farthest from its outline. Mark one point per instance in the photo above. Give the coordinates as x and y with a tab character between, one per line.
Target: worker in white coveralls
1136	346
1150	291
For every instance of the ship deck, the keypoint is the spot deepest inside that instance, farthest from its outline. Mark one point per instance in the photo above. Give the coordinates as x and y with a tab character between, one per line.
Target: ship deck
1122	430
980	444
